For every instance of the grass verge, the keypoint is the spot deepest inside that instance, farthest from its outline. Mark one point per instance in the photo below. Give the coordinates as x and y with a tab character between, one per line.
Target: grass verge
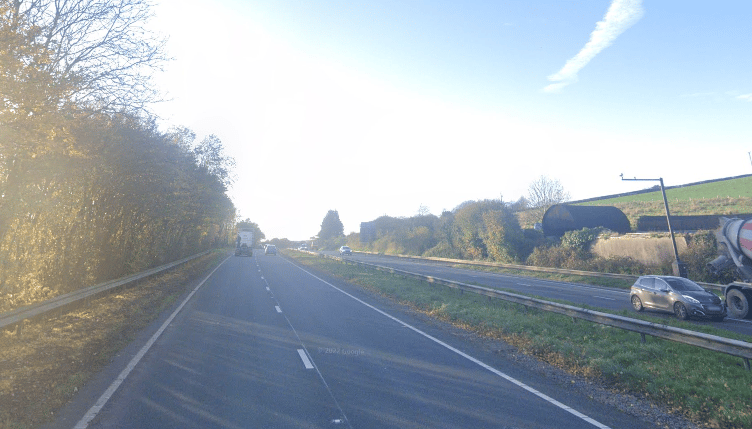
572	278
44	362
712	389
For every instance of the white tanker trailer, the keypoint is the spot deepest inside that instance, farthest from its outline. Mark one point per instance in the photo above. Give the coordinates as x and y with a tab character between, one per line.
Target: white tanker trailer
735	247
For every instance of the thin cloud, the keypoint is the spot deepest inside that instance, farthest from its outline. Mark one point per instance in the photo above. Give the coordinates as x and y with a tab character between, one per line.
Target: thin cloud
720	96
701	94
621	15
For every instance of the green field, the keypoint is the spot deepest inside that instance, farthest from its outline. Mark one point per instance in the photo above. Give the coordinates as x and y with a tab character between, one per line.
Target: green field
724	197
738	188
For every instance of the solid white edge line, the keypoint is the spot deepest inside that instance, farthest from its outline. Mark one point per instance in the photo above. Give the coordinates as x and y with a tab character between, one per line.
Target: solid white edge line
466	356
304	357
102	401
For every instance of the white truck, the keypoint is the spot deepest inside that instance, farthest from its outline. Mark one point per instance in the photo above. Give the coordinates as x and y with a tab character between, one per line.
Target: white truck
735	247
244	243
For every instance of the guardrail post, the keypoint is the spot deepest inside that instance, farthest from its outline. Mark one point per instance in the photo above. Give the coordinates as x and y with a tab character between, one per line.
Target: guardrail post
642	337
746	364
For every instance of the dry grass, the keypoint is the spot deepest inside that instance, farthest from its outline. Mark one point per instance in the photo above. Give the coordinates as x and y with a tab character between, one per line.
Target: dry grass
44	362
649	249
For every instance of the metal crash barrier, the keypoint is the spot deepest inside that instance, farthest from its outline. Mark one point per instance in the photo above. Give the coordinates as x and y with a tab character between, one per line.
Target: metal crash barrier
34	310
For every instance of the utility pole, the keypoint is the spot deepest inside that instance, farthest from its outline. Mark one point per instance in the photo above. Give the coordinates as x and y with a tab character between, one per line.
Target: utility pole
680	269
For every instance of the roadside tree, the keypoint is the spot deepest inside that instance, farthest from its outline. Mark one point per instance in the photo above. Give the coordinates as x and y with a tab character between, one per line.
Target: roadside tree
100	55
545	192
331	226
61	64
502	235
210	155
258	236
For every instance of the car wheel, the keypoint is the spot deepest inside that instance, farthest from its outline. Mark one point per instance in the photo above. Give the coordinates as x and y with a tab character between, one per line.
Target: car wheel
637	303
681	311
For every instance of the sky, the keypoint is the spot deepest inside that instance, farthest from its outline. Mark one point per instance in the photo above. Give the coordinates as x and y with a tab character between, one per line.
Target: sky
385	107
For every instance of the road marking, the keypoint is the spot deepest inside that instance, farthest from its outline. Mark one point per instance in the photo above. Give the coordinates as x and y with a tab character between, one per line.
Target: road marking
489	368
603	297
304	357
279	310
102	401
304	352
267	289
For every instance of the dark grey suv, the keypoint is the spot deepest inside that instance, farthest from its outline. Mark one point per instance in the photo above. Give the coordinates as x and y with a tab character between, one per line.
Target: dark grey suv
678	295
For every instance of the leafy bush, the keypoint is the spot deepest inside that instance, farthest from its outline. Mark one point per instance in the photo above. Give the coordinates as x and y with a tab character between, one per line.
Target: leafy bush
581	240
485	229
442	250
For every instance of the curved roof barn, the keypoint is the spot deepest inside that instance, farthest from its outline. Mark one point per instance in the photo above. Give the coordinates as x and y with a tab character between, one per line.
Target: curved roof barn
561	218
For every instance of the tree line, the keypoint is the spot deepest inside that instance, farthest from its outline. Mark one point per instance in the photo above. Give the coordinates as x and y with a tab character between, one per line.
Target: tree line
489	230
486	229
90	188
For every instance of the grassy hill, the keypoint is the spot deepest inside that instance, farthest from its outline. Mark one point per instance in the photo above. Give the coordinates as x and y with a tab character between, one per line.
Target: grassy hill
714	197
733	187
717	197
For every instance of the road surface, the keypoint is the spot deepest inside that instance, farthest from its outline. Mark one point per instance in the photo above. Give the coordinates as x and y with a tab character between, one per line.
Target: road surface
264	343
579	294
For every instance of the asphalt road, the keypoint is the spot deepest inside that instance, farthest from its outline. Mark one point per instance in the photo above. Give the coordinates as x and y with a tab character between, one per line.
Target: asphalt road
264	343
575	293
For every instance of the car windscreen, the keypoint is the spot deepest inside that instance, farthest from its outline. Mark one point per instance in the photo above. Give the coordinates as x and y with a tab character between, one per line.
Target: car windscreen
683	285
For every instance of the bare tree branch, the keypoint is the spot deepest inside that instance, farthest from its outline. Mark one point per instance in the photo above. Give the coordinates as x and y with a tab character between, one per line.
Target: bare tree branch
546	192
101	51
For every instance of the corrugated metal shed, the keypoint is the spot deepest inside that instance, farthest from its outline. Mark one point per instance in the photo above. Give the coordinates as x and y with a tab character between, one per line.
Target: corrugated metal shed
561	218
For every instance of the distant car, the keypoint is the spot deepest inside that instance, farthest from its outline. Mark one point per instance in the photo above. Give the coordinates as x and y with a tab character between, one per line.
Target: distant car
344	250
270	249
678	295
303	247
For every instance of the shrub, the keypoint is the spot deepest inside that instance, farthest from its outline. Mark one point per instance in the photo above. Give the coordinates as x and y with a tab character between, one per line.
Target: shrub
554	257
581	240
